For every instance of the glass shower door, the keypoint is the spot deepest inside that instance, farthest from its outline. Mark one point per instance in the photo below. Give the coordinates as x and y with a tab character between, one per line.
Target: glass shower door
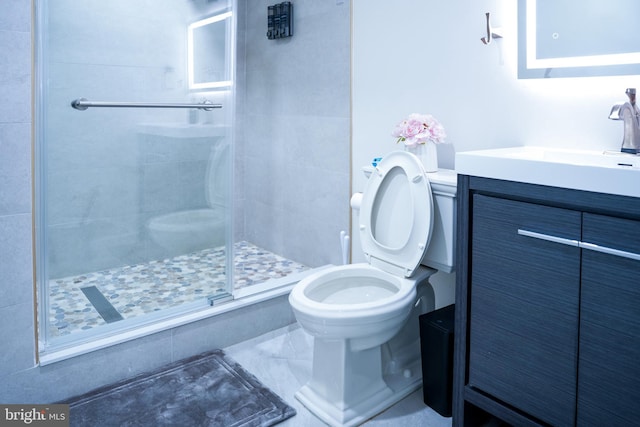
133	179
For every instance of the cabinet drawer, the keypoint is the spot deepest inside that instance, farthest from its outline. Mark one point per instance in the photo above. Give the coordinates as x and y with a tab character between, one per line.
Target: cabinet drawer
608	369
523	325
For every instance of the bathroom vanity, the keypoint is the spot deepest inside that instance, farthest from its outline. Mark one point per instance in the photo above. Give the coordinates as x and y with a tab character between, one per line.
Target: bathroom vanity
547	297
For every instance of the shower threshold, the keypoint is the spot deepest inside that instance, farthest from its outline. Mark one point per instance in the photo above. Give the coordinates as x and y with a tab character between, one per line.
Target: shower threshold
162	287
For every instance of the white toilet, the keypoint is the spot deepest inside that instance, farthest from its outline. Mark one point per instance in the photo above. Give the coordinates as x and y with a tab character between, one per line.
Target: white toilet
187	231
364	317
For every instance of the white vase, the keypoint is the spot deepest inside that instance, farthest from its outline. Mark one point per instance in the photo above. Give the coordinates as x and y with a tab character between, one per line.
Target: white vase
427	153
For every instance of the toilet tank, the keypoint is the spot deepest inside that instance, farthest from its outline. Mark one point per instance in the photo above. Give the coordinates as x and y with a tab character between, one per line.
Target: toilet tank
441	252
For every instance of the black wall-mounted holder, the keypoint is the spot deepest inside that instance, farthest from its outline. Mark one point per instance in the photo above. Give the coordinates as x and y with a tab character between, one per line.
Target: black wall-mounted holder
280	20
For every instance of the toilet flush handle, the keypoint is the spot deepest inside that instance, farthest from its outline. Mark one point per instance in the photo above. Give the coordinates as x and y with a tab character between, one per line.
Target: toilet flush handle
356	201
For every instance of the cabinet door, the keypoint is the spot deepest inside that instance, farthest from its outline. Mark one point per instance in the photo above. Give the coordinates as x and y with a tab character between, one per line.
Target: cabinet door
524	306
609	363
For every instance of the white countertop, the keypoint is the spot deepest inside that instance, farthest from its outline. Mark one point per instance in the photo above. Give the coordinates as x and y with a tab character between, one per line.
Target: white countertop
598	171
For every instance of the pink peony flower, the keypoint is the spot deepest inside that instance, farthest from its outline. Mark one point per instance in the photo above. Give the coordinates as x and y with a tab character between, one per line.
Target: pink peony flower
419	129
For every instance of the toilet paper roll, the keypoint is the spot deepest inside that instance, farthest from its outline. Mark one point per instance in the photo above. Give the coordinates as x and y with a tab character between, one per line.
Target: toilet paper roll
356	201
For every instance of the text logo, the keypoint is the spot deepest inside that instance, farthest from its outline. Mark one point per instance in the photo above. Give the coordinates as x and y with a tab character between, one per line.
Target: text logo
34	415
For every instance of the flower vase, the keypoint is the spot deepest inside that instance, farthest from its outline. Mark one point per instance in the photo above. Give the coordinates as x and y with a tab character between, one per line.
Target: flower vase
428	155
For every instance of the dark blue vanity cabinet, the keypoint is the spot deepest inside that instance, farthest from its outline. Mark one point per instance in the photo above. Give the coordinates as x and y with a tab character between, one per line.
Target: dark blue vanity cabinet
547	306
524	302
609	357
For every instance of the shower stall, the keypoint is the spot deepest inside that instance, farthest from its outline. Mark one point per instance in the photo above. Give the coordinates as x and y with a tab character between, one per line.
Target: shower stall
155	196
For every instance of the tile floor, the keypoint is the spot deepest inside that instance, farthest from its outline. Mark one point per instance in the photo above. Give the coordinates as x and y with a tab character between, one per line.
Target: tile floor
152	286
281	359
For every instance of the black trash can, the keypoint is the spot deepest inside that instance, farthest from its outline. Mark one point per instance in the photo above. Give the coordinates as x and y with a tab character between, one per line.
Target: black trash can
436	345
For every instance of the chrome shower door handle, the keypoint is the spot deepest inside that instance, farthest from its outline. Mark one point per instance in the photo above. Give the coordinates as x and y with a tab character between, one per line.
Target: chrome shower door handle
83	103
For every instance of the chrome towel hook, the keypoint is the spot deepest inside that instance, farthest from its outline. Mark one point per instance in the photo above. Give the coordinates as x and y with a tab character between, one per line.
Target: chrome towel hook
495	33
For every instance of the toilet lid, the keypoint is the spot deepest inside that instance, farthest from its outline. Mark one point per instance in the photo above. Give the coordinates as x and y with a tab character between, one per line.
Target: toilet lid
396	214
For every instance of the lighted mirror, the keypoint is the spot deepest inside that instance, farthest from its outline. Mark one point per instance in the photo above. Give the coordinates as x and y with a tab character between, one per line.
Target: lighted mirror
575	38
209	52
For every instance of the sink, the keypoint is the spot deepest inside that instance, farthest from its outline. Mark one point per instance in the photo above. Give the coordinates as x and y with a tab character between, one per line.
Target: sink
599	171
610	159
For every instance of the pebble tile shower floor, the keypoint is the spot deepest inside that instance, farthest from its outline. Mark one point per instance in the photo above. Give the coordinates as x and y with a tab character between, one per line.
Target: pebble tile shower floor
148	287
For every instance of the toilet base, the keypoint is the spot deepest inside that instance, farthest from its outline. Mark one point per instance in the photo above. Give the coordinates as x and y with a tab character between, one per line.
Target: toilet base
353	402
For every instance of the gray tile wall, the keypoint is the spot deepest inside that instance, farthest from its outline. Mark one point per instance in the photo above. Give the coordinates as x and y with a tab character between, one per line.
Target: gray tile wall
294	132
16	290
310	129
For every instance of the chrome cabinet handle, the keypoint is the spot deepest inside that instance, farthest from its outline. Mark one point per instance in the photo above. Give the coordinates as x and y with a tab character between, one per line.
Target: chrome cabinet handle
549	238
609	251
580	244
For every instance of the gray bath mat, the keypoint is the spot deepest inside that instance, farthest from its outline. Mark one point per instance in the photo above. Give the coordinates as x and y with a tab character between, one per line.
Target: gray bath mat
206	390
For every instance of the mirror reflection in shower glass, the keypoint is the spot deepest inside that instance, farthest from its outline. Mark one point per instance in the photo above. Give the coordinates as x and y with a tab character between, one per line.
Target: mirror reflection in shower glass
133	204
209	55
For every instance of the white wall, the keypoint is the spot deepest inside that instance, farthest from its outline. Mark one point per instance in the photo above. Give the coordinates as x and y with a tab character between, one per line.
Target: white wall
427	57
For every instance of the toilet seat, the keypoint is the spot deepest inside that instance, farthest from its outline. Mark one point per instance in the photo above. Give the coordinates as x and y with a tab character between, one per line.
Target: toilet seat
319	290
396	214
365	319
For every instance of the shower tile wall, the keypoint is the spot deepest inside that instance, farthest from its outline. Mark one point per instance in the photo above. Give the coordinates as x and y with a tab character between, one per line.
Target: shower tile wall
293	131
16	290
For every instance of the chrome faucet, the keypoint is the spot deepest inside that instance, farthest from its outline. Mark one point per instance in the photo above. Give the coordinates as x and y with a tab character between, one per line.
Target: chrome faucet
629	113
